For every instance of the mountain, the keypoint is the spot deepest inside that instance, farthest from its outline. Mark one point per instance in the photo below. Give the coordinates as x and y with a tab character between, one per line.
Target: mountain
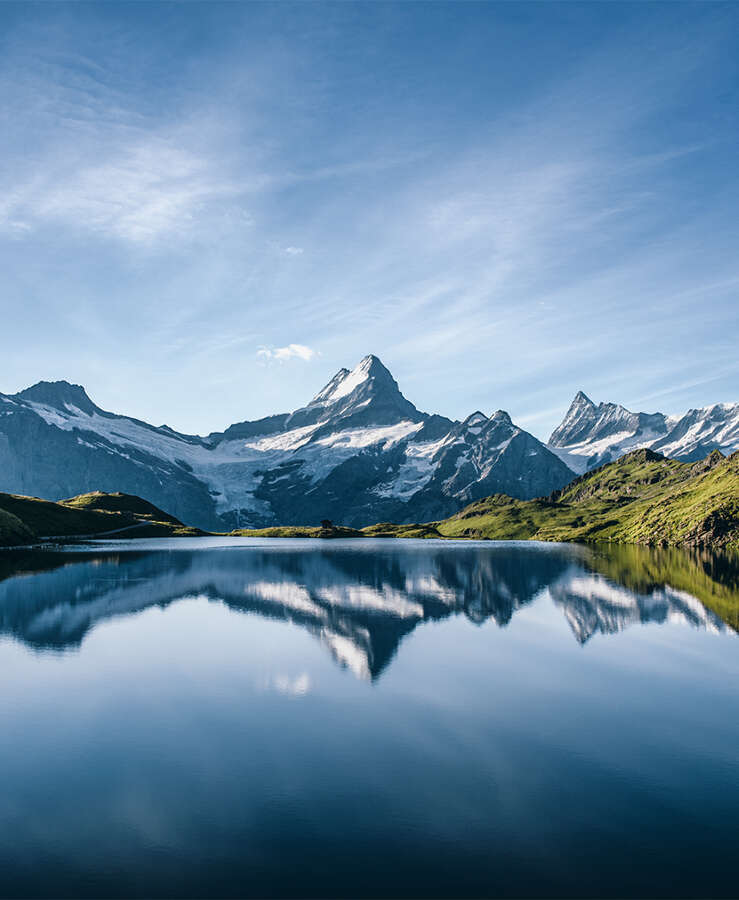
642	497
56	443
590	434
358	452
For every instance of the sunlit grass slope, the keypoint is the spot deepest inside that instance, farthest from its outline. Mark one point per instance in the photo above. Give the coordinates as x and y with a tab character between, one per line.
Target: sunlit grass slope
642	498
26	520
298	531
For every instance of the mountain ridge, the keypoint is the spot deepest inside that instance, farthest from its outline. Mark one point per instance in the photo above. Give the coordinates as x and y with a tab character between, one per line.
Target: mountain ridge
593	434
357	450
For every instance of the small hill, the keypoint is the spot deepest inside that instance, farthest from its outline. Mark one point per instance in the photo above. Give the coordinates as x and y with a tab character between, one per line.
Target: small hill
299	531
12	530
121	503
25	520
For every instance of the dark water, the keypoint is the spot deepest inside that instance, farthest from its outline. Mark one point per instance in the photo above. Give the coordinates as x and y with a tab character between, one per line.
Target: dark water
235	718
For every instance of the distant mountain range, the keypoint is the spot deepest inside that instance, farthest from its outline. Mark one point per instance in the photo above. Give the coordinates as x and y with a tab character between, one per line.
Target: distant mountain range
358	453
591	435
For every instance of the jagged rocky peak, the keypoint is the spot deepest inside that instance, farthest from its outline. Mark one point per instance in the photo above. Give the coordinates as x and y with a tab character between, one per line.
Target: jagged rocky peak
584	420
475	421
499	427
60	395
502	417
369	375
581	401
580	415
367	392
500	423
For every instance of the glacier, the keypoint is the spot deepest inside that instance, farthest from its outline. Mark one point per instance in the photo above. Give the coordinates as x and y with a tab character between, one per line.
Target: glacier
359	452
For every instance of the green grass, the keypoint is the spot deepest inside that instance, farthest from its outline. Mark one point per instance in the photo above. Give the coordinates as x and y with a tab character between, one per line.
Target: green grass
641	498
25	520
388	530
12	530
122	503
298	531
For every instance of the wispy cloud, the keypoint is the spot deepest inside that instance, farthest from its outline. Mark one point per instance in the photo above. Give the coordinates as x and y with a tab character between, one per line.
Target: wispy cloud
283	354
144	192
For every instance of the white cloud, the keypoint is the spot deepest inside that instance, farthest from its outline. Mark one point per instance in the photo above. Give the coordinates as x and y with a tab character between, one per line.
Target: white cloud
296	686
282	354
294	251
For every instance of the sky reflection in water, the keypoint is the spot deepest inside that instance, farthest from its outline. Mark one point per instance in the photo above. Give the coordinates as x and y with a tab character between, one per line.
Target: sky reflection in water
292	718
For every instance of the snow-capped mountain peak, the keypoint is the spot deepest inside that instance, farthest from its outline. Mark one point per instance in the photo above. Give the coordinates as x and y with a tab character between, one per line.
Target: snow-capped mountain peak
581	399
369	373
366	395
585	421
359	452
591	435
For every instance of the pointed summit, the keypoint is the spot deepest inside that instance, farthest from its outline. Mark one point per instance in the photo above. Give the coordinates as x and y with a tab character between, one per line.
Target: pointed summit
500	416
59	394
368	373
368	394
581	399
580	417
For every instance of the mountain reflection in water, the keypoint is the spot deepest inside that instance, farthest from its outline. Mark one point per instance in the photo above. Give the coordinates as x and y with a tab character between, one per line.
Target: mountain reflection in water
361	598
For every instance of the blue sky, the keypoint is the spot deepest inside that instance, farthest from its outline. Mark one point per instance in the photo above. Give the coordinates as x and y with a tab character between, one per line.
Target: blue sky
207	209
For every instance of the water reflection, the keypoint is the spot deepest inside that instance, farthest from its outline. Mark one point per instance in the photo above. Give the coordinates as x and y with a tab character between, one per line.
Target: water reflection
361	599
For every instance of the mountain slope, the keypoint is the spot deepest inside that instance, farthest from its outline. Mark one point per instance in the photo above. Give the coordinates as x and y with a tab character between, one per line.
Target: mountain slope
643	497
55	443
359	451
591	435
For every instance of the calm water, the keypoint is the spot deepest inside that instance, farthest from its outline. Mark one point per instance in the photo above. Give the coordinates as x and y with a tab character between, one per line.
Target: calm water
234	717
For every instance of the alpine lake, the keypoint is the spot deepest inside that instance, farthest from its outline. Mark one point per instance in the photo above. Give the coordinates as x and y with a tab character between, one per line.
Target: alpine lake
231	717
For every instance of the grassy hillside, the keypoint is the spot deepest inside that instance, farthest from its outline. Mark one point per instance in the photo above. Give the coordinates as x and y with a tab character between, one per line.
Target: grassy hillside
121	503
642	498
26	520
12	530
387	529
298	531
